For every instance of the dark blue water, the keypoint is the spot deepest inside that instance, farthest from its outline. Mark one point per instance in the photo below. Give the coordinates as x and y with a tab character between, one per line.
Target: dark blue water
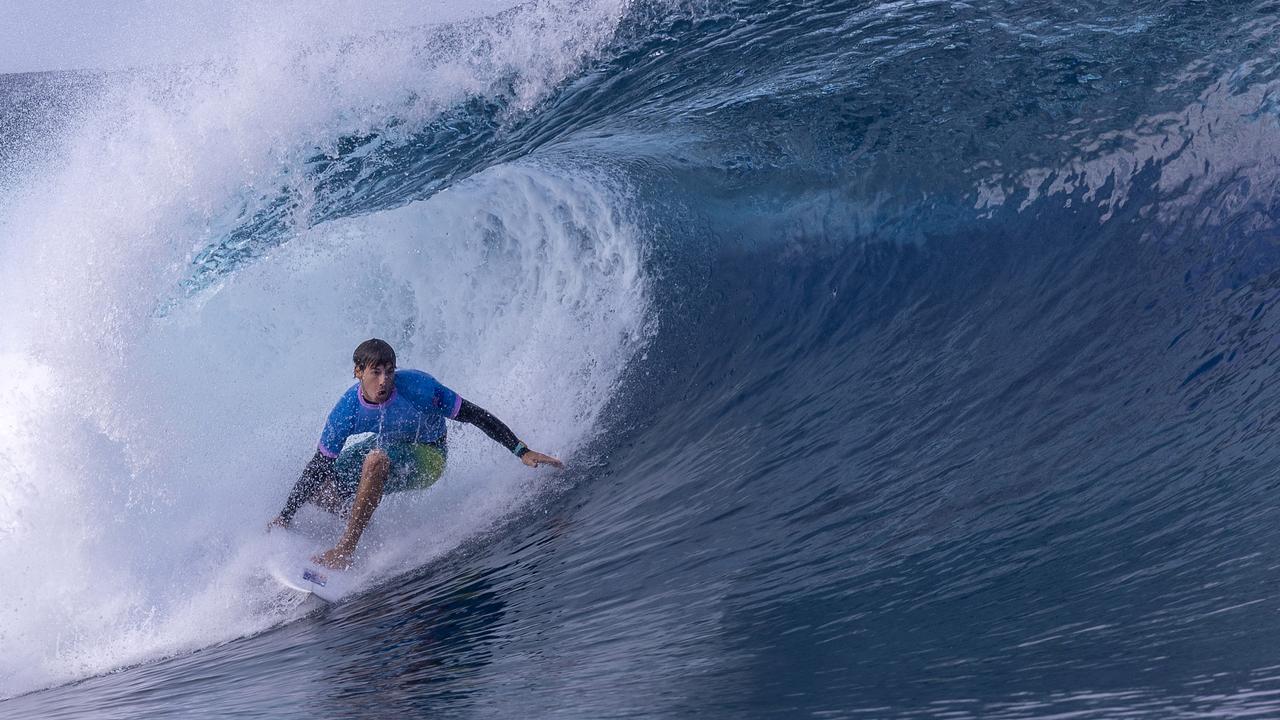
958	402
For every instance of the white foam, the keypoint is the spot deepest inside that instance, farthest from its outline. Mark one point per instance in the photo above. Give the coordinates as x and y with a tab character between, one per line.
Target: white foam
140	457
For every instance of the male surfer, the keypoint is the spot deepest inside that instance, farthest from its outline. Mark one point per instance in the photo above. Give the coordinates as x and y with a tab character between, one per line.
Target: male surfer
405	411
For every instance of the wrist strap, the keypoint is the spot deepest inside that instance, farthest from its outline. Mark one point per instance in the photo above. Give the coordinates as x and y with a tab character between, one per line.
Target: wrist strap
520	449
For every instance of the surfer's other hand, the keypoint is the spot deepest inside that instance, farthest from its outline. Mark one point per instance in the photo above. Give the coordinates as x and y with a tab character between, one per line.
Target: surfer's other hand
534	459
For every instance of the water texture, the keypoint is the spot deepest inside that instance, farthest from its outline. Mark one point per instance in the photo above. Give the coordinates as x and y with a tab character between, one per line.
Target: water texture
910	359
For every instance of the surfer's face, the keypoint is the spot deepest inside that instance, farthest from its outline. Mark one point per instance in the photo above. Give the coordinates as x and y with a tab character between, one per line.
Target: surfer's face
376	382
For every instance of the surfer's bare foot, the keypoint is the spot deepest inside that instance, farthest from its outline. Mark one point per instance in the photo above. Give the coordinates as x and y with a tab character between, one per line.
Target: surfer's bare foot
335	559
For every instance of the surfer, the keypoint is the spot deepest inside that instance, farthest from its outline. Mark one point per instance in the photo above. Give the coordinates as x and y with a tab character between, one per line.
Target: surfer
404	410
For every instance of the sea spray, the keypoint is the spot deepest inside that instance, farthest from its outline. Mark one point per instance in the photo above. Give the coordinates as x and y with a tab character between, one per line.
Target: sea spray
154	433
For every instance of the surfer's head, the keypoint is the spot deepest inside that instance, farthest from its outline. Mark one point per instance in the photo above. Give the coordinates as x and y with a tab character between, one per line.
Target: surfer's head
375	363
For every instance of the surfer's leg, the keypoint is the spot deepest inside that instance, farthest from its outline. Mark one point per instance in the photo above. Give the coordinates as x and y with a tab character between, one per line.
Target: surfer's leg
331	500
336	497
373	477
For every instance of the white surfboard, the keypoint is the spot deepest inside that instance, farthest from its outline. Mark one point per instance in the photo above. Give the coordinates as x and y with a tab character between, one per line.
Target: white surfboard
291	565
328	585
308	577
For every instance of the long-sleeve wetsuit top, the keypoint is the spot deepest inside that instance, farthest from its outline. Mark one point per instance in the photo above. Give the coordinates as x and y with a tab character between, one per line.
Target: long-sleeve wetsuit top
415	413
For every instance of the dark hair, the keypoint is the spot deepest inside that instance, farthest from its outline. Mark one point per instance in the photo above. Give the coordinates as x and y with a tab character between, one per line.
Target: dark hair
373	352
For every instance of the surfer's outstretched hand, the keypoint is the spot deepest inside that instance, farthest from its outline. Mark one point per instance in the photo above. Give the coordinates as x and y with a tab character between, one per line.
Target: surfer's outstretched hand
534	459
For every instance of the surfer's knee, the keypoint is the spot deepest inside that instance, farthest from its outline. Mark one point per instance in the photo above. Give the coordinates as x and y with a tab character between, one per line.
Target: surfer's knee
377	463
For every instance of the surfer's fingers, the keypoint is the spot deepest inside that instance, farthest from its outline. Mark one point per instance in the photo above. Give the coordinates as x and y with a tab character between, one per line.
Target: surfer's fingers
542	459
534	458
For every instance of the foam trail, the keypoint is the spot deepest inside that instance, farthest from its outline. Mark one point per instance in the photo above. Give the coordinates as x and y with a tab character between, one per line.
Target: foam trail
141	456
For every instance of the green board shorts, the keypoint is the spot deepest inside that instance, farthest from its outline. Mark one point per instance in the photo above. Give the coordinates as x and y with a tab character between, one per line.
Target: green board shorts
414	466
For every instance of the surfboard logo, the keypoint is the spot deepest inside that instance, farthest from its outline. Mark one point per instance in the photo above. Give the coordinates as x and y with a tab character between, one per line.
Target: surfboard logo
315	577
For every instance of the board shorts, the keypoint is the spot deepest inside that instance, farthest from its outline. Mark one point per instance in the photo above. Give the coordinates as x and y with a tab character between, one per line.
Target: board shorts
414	466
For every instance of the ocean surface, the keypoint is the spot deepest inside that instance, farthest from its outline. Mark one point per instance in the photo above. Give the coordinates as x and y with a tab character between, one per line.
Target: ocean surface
910	360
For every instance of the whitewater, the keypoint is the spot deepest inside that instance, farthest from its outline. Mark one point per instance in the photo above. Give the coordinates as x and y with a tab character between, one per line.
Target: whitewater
910	359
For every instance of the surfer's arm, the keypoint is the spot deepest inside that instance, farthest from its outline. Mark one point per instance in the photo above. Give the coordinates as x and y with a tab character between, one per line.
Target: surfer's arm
314	476
469	412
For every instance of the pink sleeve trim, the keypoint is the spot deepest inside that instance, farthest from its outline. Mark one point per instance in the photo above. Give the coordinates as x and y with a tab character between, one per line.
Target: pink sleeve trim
457	405
325	452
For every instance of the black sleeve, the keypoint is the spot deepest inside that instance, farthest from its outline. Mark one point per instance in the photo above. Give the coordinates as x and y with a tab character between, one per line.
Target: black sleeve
493	427
314	476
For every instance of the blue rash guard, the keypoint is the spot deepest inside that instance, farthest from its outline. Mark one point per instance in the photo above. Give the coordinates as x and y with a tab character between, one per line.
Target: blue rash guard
408	426
414	413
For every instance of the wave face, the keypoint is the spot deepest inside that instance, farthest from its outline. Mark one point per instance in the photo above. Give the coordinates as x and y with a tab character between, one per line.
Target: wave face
910	359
